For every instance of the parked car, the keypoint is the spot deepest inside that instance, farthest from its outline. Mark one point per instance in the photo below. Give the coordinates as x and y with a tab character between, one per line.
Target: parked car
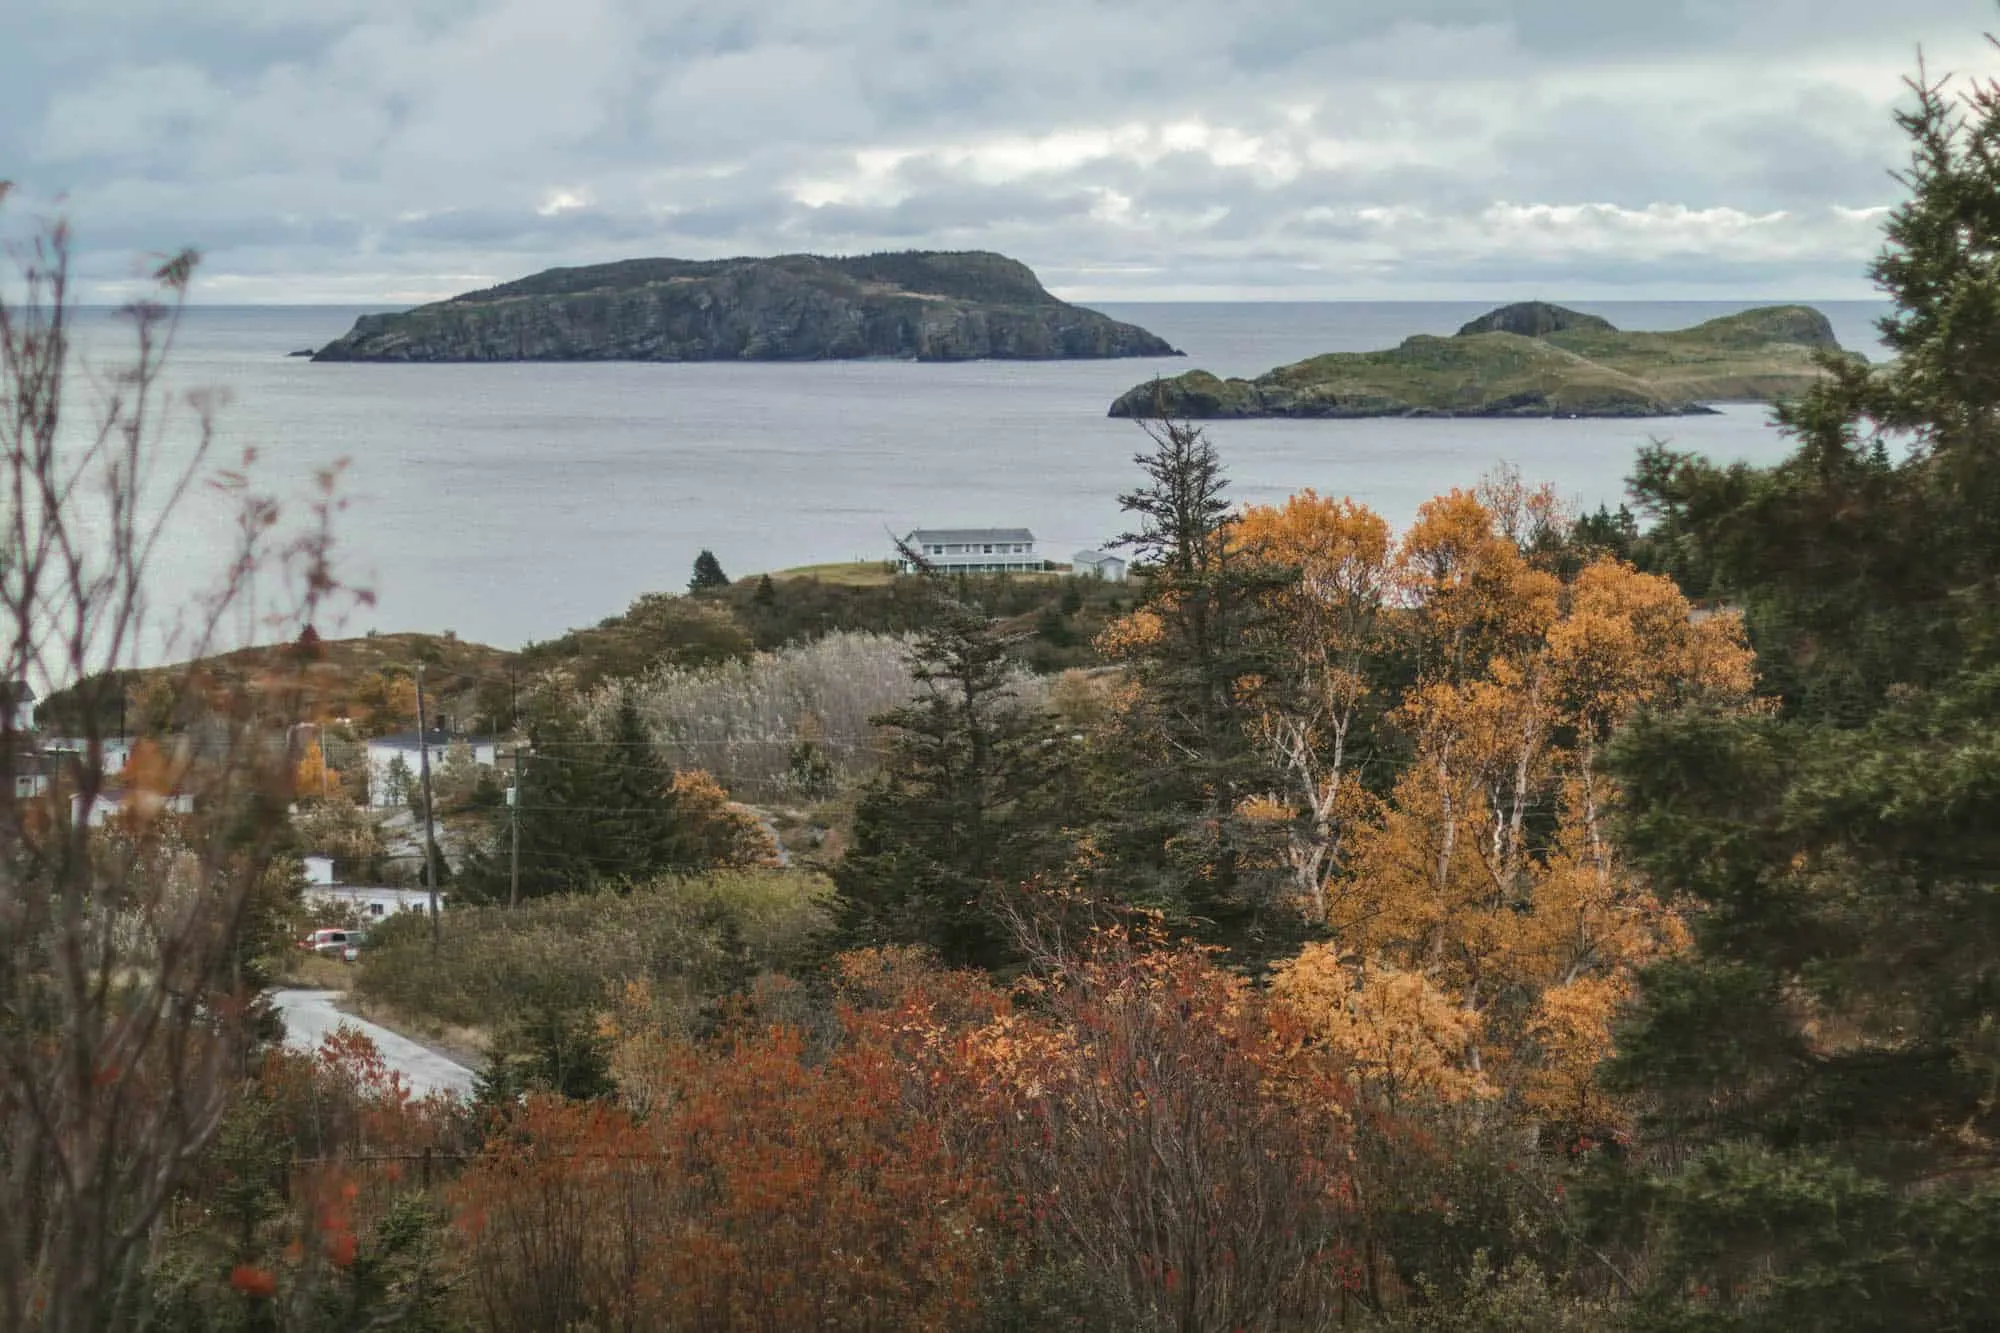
333	942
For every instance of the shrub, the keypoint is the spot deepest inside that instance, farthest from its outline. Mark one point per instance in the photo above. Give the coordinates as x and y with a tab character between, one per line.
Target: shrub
691	940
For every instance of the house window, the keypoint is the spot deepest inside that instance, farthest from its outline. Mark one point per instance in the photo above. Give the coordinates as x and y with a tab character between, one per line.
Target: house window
989	549
374	909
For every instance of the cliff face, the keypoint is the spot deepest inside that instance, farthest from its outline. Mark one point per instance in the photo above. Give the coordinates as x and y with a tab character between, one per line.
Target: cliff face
925	306
1523	361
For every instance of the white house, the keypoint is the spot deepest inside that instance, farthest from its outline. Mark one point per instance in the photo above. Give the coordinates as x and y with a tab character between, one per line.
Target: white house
371	902
319	869
115	798
974	550
409	747
116	750
1099	564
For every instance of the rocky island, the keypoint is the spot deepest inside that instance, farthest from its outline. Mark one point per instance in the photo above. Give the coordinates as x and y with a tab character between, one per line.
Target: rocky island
917	305
1529	360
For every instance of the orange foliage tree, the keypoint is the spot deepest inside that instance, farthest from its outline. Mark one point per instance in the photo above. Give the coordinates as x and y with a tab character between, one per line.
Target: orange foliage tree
769	1185
1176	1134
1486	867
719	832
1329	629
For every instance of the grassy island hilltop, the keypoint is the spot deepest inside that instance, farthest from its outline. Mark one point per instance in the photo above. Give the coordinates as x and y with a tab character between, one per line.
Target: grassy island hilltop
912	305
1529	360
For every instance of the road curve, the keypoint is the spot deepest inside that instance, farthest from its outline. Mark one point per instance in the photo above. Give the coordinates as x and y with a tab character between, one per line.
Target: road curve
310	1018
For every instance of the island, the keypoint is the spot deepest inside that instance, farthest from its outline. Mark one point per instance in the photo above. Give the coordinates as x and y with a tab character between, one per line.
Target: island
913	305
1527	360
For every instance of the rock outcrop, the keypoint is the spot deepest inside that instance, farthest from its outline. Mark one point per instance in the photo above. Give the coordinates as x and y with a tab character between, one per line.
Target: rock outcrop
919	305
1530	360
1535	319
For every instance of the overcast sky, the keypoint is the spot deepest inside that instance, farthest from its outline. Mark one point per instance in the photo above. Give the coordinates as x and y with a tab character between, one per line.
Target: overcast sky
398	150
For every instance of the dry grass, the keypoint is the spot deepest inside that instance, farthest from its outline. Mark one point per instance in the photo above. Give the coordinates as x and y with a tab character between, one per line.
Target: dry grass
311	971
458	1042
846	574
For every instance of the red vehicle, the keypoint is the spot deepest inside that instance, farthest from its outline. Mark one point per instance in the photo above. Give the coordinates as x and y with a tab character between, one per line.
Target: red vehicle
334	942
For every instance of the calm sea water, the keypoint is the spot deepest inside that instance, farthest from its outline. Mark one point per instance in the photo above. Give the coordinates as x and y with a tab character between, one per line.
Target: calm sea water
511	502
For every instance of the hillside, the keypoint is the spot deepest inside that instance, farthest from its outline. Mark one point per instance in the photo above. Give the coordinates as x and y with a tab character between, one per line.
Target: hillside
367	680
1531	360
918	305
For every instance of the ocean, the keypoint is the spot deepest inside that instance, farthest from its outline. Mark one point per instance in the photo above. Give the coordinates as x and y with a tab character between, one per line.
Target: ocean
508	503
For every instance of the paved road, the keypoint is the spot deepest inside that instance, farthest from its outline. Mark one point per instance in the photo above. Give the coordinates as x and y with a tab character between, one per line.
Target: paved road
310	1017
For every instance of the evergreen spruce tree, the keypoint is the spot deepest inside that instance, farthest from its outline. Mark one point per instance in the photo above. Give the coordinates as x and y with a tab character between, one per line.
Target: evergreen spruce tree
1171	785
635	821
963	809
1822	1069
707	573
593	809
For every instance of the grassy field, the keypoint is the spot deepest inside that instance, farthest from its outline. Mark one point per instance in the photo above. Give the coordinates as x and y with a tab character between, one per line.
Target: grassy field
845	574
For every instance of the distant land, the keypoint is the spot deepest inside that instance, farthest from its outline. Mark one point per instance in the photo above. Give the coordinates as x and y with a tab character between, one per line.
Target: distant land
1527	360
914	305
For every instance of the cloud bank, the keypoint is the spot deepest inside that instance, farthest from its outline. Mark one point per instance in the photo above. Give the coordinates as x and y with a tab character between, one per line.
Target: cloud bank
397	150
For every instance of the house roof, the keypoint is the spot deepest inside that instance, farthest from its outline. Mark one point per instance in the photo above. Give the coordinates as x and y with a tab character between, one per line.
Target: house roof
412	739
957	536
1097	558
14	692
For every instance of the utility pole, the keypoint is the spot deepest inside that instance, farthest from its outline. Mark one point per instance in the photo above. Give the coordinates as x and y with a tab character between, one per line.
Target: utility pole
424	770
514	807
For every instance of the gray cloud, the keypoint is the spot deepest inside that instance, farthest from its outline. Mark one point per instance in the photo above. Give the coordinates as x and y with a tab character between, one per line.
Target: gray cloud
384	150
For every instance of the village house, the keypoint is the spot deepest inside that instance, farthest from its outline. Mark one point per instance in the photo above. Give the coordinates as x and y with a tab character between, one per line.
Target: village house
1099	565
114	798
371	902
973	550
395	761
368	902
116	751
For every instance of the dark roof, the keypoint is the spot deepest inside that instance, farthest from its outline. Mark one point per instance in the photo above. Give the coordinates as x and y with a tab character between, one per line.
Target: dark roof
957	536
1097	558
411	739
16	692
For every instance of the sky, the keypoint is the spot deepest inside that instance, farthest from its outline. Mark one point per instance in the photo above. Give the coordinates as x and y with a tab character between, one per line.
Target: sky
393	151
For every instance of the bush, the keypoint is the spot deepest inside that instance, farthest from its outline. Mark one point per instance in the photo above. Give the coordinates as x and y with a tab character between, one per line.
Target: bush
689	940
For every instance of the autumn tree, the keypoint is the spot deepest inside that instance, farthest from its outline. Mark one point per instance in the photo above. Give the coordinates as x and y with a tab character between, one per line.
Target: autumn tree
1170	1129
1486	870
127	1008
1324	669
314	779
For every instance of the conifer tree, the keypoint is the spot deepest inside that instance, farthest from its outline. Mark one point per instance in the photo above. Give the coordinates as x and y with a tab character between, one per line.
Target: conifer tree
1823	1063
1187	757
593	809
963	807
707	573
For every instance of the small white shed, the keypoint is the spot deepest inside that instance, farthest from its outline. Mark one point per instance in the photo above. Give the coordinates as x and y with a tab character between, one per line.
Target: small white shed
1099	564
